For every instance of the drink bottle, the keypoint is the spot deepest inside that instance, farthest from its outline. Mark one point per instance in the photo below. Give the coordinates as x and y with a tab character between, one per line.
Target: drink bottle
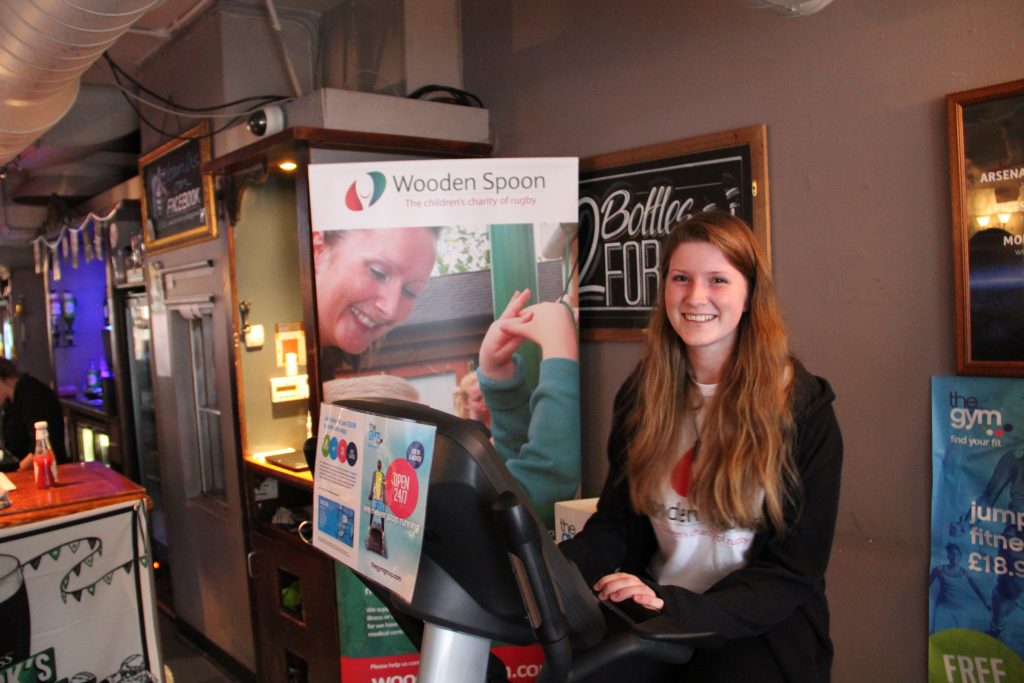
44	465
69	308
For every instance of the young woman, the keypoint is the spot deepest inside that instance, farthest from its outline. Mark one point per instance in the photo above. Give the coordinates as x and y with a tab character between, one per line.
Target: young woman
725	455
367	282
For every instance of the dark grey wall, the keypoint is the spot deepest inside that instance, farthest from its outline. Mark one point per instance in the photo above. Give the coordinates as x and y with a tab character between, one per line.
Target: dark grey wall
853	101
32	340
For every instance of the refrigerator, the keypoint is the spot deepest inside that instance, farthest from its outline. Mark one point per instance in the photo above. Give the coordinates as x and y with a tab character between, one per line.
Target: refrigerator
130	329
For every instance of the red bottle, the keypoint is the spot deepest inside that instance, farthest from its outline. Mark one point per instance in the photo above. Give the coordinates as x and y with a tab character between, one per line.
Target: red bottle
44	465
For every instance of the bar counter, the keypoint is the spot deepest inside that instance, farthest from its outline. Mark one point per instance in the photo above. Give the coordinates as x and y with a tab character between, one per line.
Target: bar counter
82	486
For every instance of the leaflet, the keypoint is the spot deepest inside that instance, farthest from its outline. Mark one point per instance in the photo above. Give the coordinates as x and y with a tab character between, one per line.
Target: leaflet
370	494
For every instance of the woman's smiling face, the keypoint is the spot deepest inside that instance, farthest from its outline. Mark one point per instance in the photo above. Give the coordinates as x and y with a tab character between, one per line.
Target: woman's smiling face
705	298
367	282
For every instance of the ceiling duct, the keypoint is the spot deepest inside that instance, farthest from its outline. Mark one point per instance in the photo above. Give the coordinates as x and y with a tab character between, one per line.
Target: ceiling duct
95	145
45	47
348	110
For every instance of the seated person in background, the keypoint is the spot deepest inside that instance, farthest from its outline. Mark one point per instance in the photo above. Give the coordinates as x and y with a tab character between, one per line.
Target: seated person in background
538	434
25	400
469	400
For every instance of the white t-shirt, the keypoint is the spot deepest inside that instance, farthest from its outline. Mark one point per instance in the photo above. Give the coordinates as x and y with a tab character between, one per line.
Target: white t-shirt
690	554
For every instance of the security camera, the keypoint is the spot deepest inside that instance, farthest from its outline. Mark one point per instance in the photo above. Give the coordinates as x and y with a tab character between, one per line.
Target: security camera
266	121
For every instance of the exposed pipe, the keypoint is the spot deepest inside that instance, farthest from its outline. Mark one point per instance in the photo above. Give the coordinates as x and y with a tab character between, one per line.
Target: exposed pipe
279	33
45	47
791	8
168	32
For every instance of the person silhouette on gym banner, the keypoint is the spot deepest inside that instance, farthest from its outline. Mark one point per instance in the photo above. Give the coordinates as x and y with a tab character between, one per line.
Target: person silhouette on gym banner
378	488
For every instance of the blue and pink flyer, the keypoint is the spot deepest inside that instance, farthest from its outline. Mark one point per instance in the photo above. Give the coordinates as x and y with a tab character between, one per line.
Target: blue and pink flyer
370	493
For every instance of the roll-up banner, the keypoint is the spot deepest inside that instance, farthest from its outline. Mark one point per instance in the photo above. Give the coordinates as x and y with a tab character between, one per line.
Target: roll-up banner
976	573
413	261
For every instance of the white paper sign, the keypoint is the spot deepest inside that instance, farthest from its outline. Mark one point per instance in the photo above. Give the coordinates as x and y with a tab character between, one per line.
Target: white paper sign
370	494
443	192
76	600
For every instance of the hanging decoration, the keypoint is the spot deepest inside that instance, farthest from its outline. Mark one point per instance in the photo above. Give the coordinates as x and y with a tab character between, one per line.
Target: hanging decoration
97	239
89	253
90	231
55	259
74	250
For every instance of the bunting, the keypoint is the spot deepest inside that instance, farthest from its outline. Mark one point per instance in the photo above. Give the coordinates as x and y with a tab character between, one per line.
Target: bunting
95	551
87	236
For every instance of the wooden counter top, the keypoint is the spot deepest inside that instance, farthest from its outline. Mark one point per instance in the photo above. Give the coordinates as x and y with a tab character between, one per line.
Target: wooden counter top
83	486
93	409
302	479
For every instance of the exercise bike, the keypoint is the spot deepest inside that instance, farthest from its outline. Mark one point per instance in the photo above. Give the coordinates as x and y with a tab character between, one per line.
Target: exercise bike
490	571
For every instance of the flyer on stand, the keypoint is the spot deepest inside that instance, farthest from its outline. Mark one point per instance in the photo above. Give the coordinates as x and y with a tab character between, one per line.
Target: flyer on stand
370	493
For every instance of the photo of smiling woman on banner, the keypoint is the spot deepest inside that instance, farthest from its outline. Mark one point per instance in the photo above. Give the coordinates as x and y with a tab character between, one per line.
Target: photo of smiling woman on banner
367	283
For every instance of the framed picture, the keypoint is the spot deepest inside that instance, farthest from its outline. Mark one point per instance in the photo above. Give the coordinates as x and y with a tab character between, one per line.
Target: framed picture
177	199
630	200
985	128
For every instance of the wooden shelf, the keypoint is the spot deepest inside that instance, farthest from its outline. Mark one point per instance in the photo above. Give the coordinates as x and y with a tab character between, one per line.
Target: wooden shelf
300	479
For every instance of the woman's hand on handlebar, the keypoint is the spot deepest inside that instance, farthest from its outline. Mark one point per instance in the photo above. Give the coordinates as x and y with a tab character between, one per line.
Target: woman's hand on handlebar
621	586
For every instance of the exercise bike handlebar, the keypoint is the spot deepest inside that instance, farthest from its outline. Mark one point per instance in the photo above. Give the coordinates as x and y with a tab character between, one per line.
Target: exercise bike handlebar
651	634
543	605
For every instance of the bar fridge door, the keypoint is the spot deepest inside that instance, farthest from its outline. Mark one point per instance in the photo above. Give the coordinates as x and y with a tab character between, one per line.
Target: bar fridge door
139	359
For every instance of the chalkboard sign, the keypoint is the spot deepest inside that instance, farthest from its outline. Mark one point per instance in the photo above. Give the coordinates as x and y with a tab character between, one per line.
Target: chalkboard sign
629	202
177	199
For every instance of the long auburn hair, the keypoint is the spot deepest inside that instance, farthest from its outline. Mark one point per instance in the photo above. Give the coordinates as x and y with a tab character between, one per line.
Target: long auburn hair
745	442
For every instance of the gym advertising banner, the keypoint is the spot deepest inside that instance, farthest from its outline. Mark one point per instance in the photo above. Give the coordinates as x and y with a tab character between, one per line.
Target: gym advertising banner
976	617
411	260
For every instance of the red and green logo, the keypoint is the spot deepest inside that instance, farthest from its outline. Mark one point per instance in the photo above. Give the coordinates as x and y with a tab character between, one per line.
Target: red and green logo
362	194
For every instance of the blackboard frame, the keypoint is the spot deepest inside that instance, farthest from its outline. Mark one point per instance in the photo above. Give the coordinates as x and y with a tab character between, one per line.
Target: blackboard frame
984	171
641	168
178	163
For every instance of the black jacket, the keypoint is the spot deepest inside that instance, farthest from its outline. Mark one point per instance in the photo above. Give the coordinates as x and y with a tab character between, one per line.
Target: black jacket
773	611
33	401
